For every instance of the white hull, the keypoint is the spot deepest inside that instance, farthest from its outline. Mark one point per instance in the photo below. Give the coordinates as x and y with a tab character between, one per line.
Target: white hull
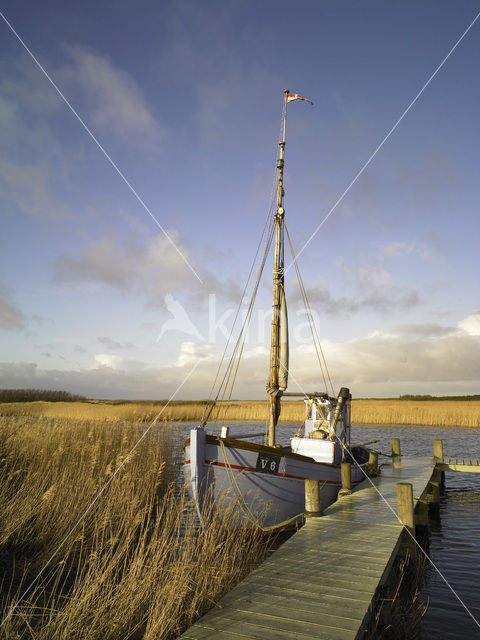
265	486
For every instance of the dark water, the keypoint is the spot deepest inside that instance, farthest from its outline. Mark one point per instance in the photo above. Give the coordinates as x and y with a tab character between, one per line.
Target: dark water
454	540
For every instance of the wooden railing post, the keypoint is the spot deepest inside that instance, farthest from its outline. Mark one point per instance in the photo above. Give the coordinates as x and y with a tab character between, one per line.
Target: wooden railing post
396	447
372	467
434	490
438	450
438	455
346	470
405	513
421	515
312	498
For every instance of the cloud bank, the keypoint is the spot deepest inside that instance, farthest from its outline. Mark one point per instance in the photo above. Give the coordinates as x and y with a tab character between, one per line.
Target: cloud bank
388	363
11	316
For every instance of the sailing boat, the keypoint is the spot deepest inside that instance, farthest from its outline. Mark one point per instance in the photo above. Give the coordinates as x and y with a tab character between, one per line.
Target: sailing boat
266	483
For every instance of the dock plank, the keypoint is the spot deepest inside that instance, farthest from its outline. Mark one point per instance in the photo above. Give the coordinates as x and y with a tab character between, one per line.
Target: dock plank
309	603
456	464
271	626
319	583
287	614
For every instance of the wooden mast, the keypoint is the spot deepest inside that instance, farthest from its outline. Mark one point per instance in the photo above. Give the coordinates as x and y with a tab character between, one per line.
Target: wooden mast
278	273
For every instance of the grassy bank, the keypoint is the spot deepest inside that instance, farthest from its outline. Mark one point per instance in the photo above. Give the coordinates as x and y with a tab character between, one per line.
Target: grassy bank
441	413
135	566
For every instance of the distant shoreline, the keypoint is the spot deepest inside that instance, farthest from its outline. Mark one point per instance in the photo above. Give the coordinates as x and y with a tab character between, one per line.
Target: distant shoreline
398	412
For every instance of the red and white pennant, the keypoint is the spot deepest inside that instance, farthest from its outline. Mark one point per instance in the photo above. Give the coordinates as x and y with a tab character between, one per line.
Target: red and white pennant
297	96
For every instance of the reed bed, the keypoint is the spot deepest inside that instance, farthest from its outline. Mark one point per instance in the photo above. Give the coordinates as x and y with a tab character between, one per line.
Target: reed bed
431	413
440	413
135	565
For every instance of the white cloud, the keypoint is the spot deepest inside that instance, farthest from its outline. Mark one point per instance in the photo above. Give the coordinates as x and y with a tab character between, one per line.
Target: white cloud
29	186
113	100
375	291
114	344
150	267
99	261
400	249
118	363
425	329
191	352
108	360
471	324
374	364
32	156
427	358
373	277
11	316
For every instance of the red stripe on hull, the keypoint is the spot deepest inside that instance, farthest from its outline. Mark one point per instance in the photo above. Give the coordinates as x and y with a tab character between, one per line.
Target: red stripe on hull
281	475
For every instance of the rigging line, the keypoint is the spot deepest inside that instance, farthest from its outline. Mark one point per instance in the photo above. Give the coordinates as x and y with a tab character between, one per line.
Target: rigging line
234	355
248	316
245	332
315	331
230	368
267	220
97	497
311	322
227	373
323	365
102	149
208	409
333	208
395	514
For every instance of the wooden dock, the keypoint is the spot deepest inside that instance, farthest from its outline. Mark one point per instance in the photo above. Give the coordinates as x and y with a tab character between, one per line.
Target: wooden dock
459	464
321	582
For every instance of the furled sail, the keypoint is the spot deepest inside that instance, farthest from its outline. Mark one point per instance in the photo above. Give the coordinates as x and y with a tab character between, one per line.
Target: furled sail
283	344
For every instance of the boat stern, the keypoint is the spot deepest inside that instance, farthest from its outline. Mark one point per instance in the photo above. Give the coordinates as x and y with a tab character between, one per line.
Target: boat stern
195	468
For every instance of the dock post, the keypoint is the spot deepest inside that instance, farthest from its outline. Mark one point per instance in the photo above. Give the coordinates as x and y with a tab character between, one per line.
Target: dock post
421	515
396	448
372	467
396	455
346	470
434	489
406	515
434	499
312	498
421	523
438	450
438	455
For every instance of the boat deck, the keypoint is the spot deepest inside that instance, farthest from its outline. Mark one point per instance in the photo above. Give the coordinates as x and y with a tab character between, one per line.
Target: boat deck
320	583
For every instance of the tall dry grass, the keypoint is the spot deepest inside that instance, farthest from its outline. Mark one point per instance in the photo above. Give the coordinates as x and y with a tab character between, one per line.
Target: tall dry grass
441	413
137	566
434	413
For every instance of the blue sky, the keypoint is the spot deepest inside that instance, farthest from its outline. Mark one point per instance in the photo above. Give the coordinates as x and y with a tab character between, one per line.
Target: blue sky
186	97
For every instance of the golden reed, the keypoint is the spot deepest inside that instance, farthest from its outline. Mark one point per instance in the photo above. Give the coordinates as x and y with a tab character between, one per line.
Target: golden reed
439	413
137	566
